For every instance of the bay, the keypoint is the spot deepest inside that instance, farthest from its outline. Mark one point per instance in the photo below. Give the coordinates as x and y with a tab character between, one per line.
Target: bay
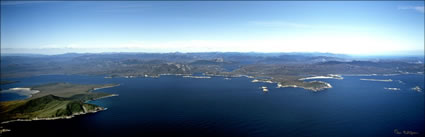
176	106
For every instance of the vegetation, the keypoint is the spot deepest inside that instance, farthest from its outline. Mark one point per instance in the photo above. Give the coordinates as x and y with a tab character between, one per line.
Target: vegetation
49	106
68	90
57	100
283	68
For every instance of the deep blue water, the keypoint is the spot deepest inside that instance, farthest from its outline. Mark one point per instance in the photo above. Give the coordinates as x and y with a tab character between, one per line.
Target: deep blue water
175	106
11	96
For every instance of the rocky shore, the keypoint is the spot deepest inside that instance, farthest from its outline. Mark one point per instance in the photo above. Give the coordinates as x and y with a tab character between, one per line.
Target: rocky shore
97	109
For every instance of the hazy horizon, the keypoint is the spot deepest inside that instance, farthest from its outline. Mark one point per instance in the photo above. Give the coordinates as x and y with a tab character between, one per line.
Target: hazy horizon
260	53
361	28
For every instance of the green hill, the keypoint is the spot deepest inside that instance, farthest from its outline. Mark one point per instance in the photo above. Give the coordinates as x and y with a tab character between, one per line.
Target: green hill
49	106
57	100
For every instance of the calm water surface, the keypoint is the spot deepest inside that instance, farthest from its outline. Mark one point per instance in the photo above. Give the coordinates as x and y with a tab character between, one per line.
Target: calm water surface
175	106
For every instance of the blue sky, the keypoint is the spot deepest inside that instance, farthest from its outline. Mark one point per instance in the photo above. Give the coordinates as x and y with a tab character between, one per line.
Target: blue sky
360	28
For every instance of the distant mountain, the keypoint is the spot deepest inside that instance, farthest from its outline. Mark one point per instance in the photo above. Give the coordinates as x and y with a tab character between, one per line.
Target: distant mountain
219	63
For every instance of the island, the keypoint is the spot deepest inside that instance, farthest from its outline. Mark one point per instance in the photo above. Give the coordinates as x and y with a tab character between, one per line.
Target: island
284	69
54	101
417	89
265	89
394	89
285	82
312	85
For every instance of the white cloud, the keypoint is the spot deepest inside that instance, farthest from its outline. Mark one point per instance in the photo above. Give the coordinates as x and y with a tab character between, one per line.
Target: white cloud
67	46
332	43
360	45
355	44
416	8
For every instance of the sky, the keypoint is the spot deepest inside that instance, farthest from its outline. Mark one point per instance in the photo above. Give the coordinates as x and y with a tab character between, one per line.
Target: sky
356	28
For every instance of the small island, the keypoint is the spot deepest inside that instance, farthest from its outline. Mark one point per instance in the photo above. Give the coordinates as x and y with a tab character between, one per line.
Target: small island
312	85
54	101
417	89
265	89
296	82
394	89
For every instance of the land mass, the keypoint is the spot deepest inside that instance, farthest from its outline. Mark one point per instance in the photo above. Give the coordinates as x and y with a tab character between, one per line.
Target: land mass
54	101
284	69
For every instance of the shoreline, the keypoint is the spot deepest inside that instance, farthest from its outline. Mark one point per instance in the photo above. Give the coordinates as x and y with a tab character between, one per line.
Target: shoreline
261	80
115	85
107	96
389	74
328	85
329	76
378	80
97	109
22	91
198	77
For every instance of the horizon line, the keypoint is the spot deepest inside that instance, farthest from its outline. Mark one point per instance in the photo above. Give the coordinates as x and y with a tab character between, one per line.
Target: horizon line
243	52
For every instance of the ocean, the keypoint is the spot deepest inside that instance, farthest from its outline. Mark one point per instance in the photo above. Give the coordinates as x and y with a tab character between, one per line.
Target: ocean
176	106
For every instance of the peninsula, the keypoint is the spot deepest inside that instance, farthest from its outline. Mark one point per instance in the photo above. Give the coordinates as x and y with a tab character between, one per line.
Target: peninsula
300	70
54	101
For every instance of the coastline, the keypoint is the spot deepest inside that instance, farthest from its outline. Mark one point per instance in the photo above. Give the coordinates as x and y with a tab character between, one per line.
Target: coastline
328	85
107	96
325	85
21	91
198	77
378	80
279	85
97	109
115	85
329	76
